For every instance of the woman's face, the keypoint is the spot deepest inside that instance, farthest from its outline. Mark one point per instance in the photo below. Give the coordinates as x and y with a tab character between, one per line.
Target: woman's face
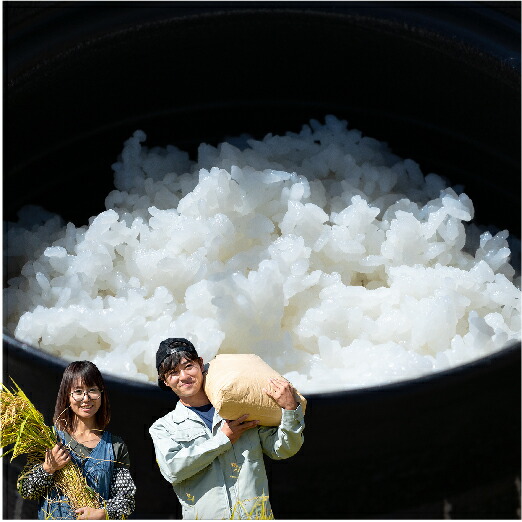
88	404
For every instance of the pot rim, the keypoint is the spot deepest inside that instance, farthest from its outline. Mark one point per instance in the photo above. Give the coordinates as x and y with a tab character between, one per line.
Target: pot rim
486	36
502	356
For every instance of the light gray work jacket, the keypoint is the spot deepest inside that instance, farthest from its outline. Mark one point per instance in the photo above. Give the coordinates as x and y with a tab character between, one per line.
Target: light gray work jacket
213	478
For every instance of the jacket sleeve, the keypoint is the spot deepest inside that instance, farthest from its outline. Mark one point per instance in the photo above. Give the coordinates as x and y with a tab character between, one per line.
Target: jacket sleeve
121	502
285	440
179	462
33	483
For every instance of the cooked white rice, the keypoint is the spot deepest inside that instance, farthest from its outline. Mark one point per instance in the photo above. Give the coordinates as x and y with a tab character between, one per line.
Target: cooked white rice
337	262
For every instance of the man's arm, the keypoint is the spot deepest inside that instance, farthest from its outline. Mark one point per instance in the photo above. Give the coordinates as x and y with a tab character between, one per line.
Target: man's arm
178	462
285	440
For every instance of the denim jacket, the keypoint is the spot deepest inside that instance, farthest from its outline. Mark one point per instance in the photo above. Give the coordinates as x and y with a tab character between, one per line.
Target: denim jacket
213	478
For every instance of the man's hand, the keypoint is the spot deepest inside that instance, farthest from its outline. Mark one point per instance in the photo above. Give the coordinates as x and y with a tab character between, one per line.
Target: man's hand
233	429
88	513
282	392
55	459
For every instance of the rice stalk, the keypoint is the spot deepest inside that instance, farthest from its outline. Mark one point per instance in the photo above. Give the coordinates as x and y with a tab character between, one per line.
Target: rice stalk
23	427
258	511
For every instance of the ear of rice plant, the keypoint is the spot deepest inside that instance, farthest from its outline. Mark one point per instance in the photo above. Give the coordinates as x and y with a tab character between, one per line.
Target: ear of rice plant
23	425
23	428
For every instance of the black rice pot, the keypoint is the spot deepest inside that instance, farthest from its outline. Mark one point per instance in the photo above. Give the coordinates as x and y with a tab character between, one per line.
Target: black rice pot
440	82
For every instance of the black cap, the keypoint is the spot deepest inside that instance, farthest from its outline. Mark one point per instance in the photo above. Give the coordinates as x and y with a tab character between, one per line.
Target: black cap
168	347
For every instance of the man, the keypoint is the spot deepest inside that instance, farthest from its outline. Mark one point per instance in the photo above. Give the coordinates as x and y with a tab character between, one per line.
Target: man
216	465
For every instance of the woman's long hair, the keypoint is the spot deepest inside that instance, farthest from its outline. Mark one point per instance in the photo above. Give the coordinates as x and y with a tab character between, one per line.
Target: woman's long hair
88	375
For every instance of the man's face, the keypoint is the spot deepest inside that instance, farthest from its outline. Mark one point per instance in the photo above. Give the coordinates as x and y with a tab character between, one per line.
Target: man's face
186	380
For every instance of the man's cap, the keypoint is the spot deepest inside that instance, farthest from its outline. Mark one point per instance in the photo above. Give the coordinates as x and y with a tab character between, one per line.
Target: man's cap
168	347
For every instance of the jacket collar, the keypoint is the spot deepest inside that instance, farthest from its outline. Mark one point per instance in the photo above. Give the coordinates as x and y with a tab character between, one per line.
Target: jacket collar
181	413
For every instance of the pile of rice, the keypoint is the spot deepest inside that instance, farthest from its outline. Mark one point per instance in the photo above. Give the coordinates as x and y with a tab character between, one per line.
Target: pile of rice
337	262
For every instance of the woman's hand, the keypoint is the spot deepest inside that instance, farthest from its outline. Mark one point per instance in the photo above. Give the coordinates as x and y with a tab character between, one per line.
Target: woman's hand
88	513
55	458
233	429
282	392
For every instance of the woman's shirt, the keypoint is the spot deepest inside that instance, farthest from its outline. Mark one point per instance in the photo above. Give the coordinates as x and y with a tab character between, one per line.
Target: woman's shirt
34	483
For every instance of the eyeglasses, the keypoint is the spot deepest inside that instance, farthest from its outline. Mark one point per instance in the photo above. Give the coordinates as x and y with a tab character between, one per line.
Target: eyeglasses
93	393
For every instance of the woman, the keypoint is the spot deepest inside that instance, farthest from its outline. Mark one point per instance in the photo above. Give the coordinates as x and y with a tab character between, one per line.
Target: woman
81	415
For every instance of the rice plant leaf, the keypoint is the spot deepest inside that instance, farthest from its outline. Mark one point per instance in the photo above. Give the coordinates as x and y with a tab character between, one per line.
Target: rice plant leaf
6	452
18	439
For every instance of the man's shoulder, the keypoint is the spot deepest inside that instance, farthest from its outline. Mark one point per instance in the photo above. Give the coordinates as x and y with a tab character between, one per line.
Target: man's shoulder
175	416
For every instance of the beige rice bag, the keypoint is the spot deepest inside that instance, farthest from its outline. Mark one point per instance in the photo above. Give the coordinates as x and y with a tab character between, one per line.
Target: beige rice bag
234	385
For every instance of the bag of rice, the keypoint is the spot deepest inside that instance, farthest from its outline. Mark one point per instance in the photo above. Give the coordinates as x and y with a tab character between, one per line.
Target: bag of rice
234	385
